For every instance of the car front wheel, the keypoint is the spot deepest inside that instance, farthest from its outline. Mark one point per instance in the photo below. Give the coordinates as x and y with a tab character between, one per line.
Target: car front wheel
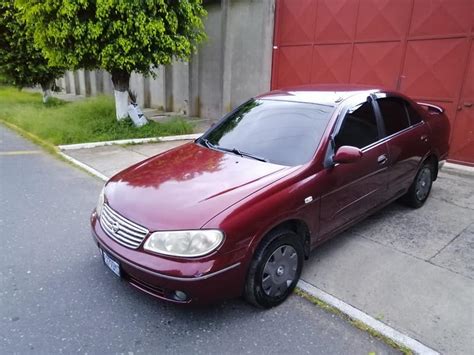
275	269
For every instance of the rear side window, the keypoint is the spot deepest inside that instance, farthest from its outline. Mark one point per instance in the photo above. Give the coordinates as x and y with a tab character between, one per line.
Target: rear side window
359	128
413	114
394	115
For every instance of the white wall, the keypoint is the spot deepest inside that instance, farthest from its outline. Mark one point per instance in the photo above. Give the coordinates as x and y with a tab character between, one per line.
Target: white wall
233	65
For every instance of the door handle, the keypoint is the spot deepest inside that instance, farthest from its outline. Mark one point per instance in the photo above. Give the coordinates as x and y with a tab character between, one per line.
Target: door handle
382	159
468	104
424	138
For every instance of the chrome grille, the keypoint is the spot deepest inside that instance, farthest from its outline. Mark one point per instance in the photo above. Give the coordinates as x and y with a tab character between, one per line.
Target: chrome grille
121	229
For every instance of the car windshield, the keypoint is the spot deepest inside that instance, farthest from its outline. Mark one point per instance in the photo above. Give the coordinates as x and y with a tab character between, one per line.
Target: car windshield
280	132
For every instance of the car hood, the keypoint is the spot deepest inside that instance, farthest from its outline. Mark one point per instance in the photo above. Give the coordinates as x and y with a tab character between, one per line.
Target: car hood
187	186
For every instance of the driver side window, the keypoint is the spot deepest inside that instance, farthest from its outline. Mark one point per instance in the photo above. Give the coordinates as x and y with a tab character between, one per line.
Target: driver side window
359	127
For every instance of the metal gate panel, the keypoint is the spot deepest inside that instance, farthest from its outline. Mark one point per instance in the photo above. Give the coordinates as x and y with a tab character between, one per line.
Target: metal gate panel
296	23
331	63
462	143
441	17
376	64
383	19
294	65
336	20
420	47
433	68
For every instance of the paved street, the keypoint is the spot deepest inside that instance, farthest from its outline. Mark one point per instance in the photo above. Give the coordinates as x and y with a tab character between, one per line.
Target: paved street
412	269
56	295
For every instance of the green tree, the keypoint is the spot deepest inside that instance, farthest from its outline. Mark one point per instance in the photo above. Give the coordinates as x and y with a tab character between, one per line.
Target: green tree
120	36
21	63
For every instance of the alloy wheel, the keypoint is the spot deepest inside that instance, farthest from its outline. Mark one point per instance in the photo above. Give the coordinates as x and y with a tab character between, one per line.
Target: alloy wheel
280	271
423	184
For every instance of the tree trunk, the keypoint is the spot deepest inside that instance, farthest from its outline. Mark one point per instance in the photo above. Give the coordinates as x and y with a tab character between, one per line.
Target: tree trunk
46	87
121	79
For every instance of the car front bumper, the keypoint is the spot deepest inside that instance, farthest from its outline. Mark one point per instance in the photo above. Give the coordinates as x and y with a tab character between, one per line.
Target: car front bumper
202	282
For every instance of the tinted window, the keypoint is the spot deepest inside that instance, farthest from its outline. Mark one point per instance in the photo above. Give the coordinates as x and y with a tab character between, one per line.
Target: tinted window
413	114
394	115
282	132
359	128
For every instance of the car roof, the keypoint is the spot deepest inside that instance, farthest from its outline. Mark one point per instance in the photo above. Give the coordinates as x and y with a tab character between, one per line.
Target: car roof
319	94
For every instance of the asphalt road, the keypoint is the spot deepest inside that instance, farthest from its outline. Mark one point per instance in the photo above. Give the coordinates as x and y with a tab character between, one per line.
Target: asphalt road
56	296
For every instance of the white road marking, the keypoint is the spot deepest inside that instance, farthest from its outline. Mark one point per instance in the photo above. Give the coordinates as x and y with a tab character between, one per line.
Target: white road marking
20	152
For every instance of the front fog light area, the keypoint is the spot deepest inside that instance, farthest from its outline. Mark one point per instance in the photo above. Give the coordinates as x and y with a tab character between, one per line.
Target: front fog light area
184	243
180	296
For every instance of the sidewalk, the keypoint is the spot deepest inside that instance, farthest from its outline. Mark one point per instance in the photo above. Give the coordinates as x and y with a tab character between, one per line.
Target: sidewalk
411	269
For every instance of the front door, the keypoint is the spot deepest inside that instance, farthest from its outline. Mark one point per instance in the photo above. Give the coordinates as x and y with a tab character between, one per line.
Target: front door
354	188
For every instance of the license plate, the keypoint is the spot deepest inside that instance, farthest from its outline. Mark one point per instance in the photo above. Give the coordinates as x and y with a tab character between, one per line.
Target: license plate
111	263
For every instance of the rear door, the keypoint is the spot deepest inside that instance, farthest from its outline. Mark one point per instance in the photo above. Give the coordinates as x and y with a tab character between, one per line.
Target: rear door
354	189
407	140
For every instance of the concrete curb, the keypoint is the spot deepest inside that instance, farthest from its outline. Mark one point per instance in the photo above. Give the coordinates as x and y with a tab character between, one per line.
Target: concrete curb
371	322
84	166
130	141
457	167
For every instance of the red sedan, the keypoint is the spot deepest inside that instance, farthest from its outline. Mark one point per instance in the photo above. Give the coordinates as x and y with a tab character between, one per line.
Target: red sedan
237	211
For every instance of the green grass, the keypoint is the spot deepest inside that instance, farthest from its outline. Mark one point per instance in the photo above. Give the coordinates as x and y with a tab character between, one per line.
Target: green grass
89	120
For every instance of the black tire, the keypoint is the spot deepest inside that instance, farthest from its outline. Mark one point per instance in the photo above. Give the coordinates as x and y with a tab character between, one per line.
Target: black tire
421	187
272	267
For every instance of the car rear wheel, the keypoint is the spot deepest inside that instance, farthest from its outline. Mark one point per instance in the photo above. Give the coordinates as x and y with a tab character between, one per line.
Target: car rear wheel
421	186
275	269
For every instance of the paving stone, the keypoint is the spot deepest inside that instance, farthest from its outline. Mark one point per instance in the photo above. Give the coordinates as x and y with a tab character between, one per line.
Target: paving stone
151	149
457	189
429	303
419	232
108	159
458	256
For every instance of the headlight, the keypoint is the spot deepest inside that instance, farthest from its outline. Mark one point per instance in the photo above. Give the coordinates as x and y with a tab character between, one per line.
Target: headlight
100	203
184	243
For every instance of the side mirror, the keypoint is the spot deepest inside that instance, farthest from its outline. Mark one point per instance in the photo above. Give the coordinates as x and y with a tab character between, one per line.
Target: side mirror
347	154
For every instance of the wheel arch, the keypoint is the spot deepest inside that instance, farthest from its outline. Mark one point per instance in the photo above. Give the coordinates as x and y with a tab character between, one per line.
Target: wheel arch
433	160
297	226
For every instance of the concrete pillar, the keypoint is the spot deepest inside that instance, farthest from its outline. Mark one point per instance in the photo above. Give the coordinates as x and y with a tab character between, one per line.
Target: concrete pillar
226	57
99	81
84	82
267	48
67	82
72	82
93	82
146	98
193	86
137	85
157	89
210	64
88	82
61	83
77	88
168	85
180	88
107	83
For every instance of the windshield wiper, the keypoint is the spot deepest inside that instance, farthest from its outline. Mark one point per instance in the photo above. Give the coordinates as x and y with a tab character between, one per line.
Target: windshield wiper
232	150
244	154
207	143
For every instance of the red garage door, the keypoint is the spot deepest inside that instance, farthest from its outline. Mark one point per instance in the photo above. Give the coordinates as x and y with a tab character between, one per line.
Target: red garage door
423	48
